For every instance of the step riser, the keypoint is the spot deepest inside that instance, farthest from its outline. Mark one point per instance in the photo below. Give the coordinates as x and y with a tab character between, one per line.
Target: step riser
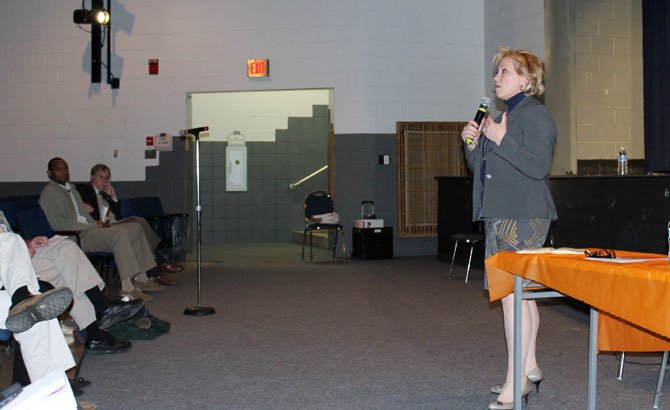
322	240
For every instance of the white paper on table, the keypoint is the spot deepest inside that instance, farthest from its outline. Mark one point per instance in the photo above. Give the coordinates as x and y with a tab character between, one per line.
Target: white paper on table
624	260
554	251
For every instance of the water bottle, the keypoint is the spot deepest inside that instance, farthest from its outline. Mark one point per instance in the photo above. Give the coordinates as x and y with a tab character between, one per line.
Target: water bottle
622	162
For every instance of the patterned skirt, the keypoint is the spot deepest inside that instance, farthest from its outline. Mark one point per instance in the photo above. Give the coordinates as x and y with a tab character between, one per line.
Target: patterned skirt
512	235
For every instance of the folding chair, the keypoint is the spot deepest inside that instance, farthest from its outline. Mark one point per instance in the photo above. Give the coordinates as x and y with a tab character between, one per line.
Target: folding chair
319	203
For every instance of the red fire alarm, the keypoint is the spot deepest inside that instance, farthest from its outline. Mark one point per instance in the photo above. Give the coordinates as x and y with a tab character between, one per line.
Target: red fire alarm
153	66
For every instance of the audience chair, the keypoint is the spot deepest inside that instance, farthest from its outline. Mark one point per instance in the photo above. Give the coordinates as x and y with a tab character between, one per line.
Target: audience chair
318	203
171	228
34	223
127	208
11	205
472	239
8	207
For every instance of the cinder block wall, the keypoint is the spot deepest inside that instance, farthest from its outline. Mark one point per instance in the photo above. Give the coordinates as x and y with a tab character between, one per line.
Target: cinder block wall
268	211
609	83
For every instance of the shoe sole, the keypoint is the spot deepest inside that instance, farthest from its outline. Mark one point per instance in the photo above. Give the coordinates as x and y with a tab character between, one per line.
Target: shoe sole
109	350
146	298
153	287
45	306
152	290
122	316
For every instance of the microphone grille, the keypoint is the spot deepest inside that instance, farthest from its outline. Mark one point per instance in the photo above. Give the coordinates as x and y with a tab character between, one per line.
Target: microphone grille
486	102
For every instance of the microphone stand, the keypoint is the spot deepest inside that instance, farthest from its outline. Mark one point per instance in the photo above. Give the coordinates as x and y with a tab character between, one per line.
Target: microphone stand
198	310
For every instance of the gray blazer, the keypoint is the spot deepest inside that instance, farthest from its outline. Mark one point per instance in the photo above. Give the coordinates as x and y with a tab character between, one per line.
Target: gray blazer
517	170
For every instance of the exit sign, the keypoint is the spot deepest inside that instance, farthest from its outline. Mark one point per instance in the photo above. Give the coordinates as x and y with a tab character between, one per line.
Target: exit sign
258	68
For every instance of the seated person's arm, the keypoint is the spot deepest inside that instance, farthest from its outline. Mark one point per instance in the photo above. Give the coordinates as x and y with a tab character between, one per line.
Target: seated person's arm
36	243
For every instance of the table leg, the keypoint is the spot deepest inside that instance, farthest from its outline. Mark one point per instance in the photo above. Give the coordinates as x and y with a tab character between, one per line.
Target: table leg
593	358
518	297
661	375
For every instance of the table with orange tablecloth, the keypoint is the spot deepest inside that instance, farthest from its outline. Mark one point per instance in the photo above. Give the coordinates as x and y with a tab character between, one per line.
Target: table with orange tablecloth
632	298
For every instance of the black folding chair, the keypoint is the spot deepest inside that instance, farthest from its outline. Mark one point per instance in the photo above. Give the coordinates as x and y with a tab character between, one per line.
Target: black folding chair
319	203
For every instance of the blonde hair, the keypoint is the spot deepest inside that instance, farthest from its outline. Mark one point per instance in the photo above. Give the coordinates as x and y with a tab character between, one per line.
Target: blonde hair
527	65
99	168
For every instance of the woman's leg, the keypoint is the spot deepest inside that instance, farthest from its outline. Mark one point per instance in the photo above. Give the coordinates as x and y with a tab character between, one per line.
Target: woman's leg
514	235
531	359
506	395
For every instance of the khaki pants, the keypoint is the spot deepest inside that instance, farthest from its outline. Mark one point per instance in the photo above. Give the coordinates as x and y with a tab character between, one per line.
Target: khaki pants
132	252
62	263
43	346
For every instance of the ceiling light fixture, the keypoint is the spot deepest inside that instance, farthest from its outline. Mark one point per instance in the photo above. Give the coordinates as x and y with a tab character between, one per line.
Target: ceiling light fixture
99	19
83	16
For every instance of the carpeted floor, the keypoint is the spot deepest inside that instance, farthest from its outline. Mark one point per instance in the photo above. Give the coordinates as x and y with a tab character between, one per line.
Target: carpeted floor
386	334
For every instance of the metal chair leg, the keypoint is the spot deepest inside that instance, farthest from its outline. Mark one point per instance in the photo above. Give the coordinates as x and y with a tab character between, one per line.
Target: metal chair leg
344	246
661	375
453	256
467	272
304	241
335	244
311	251
619	375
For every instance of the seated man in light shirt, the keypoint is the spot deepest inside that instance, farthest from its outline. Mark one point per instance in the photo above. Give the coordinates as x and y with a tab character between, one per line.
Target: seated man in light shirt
65	211
32	316
102	203
59	262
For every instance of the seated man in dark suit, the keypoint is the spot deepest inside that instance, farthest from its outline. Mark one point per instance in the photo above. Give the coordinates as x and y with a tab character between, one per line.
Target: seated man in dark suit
102	203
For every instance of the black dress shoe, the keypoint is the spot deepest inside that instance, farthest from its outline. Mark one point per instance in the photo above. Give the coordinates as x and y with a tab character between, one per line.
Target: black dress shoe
76	391
164	280
107	345
80	383
118	312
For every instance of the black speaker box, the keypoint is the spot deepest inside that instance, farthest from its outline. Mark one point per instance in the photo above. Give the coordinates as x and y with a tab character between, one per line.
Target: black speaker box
372	243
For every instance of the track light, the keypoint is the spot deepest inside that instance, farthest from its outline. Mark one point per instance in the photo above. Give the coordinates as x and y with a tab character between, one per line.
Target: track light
101	16
99	19
83	16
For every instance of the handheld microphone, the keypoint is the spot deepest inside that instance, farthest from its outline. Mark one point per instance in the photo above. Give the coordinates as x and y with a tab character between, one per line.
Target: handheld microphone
193	131
483	109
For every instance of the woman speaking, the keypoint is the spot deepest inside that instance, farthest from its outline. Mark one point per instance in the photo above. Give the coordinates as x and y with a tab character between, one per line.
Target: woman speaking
511	158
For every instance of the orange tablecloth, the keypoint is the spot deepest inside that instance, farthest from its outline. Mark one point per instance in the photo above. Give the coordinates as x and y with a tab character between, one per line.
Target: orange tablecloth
633	299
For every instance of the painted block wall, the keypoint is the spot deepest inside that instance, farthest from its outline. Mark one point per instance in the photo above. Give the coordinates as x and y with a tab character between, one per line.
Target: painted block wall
518	24
268	211
608	78
360	177
386	61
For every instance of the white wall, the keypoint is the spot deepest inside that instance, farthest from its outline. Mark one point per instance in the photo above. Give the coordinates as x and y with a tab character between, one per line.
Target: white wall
254	114
386	60
518	24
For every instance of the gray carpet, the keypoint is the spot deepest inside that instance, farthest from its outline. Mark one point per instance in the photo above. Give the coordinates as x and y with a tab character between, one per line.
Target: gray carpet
387	334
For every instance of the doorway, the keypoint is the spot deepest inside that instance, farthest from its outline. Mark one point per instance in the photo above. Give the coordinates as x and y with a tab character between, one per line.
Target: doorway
286	138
